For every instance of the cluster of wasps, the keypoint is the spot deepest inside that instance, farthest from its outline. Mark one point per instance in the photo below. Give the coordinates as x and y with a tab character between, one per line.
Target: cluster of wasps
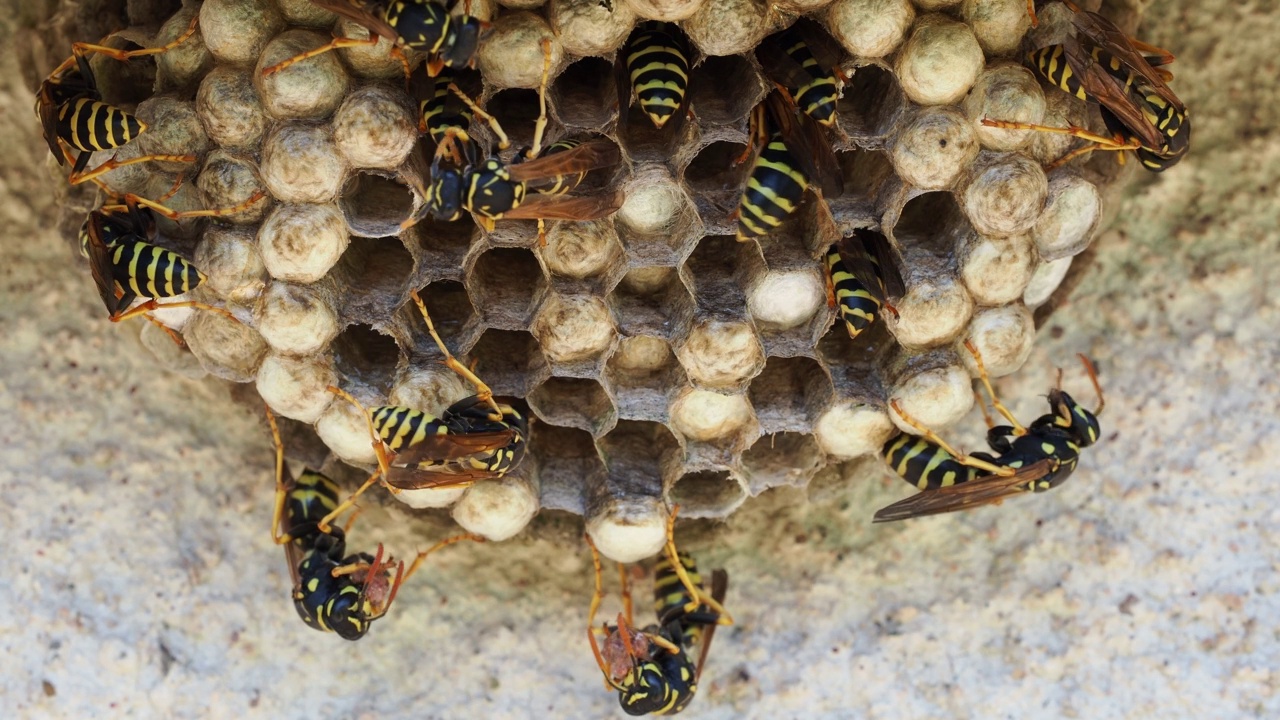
476	439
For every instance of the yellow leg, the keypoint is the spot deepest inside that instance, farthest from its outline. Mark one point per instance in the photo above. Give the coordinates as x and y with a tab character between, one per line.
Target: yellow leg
960	457
384	462
503	141
125	55
542	233
112	164
695	593
541	126
596	598
326	521
624	582
336	43
1031	10
1093	378
482	390
417	562
1105	143
176	215
277	512
663	643
152	304
757	135
982	405
1018	429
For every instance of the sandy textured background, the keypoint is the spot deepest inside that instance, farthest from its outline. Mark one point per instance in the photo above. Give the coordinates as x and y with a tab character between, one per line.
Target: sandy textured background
140	580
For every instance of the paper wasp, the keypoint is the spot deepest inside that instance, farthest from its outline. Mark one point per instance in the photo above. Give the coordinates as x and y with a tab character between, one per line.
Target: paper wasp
72	111
332	591
790	153
1102	65
653	69
449	41
531	188
805	61
650	668
474	439
1034	458
861	278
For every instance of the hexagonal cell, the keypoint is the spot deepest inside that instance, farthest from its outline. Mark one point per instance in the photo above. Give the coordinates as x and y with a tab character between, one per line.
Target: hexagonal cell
724	89
707	494
374	273
652	301
718	271
866	175
657	223
585	94
363	356
643	373
510	361
790	394
783	458
583	257
574	402
374	204
568	465
936	305
931	222
715	426
452	314
517	111
852	363
505	284
716	183
640	457
871	105
443	246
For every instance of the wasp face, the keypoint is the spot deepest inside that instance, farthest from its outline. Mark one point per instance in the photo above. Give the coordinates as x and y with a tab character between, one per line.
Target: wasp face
1072	417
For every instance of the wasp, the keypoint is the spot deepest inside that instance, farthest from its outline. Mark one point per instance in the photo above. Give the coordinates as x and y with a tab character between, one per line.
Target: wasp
1031	458
532	188
474	439
790	154
861	277
72	111
126	265
650	668
806	62
653	69
1121	75
449	41
332	591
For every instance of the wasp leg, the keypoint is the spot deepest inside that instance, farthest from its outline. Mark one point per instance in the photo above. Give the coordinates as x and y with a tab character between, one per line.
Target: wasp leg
277	512
482	390
1018	429
81	48
697	596
982	405
1031	10
625	583
1098	142
334	44
1093	378
960	457
596	598
176	215
417	561
153	304
79	177
327	520
540	127
503	141
757	134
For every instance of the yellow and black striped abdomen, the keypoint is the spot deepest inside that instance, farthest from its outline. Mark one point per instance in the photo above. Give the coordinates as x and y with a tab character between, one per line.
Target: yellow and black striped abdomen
856	304
1051	62
659	72
924	464
670	596
146	270
312	497
437	115
89	125
817	98
562	183
773	191
399	427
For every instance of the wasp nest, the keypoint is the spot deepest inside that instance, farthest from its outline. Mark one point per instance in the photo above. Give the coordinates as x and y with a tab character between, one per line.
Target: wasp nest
661	360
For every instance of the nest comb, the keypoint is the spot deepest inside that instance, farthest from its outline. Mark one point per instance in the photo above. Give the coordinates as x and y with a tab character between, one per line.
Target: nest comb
662	361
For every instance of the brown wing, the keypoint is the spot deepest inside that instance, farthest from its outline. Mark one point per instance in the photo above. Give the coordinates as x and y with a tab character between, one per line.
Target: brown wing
780	67
857	253
806	142
1113	40
47	108
571	207
359	12
1110	92
965	496
719	587
100	265
448	476
452	446
589	155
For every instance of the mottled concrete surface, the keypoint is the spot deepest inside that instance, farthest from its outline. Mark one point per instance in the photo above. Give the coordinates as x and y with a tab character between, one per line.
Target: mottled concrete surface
141	580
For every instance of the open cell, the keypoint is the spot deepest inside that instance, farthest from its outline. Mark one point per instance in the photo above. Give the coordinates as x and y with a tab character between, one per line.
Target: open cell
567	464
872	102
374	204
643	372
364	356
719	270
713	170
781	458
931	223
724	89
852	363
517	111
374	272
504	285
451	313
585	94
510	361
651	301
574	402
639	456
443	246
864	173
707	494
790	394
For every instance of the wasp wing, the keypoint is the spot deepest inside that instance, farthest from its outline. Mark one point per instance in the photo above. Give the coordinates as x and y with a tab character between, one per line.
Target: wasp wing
719	587
965	496
359	12
808	146
452	446
868	255
779	66
1110	92
1112	40
561	207
590	155
100	265
447	476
